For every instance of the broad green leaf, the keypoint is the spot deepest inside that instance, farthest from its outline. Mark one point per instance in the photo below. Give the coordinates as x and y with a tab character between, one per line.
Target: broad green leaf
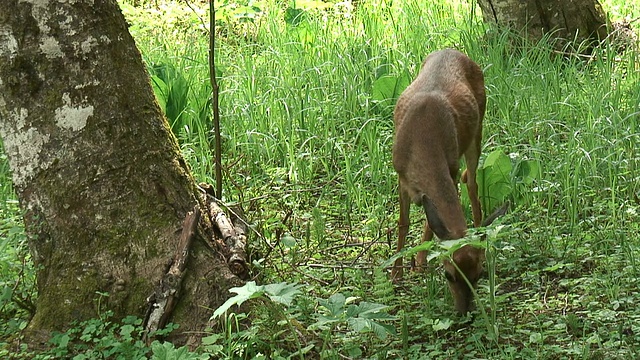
63	341
246	13
6	294
212	339
409	251
126	330
365	317
362	325
444	324
359	324
494	179
335	304
555	267
497	158
167	351
388	87
288	241
305	36
382	330
249	291
294	16
452	245
535	338
351	299
371	310
322	320
282	293
493	232
526	171
354	351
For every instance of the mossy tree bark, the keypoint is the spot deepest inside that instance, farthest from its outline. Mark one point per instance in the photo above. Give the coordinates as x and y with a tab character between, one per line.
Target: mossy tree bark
576	22
97	171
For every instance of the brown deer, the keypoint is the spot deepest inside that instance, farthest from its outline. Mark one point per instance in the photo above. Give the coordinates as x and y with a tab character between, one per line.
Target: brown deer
438	118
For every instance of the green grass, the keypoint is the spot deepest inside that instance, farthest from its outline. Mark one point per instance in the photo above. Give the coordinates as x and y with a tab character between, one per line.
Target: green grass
307	137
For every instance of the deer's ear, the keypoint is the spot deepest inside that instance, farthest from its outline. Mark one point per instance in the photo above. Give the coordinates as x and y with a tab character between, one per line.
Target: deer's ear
496	214
433	218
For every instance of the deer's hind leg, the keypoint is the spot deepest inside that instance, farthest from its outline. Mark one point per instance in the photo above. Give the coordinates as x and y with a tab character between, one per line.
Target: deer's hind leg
403	228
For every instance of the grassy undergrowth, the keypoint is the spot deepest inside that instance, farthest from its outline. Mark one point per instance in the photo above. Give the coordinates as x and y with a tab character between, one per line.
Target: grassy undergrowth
307	93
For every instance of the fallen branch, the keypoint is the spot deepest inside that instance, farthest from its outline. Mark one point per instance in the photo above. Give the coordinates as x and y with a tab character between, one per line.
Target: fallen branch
235	240
225	226
233	232
238	257
165	297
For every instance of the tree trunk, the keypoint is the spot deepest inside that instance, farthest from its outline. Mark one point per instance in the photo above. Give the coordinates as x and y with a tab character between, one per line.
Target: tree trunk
581	23
97	171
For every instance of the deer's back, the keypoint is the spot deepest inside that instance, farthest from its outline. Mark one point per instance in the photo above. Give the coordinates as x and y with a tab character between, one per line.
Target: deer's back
446	99
436	118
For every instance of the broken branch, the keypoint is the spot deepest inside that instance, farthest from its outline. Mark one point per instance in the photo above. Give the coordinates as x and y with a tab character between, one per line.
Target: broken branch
165	297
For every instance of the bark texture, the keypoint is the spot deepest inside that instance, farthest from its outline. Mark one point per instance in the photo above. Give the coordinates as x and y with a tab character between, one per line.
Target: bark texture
575	22
99	175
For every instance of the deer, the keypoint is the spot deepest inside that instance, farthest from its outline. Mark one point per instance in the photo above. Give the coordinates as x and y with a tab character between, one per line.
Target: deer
437	120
